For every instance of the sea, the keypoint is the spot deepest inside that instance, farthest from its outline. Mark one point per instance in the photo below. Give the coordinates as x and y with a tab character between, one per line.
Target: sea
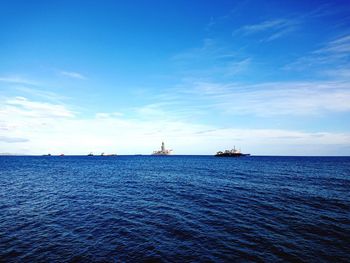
174	209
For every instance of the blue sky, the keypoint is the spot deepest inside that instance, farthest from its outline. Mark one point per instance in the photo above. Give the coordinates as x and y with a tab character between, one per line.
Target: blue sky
270	77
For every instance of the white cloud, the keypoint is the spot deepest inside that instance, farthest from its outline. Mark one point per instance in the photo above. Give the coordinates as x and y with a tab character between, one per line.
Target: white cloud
36	109
104	115
74	75
17	80
268	99
340	73
272	29
209	50
212	59
339	46
333	55
236	67
265	25
43	94
112	132
12	139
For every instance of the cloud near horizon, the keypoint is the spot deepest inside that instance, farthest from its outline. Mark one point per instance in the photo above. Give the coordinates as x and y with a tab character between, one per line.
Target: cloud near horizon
114	133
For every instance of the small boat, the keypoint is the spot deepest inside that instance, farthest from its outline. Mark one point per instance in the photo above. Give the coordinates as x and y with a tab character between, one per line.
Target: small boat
90	154
231	153
112	154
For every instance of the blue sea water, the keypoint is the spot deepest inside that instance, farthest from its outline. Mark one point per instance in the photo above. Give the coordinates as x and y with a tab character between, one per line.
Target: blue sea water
174	209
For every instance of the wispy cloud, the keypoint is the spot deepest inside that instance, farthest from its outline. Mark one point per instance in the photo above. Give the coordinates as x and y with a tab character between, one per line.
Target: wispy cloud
12	139
272	29
263	26
209	50
35	109
106	115
43	94
228	17
17	80
340	73
339	47
271	99
212	58
236	67
331	57
74	75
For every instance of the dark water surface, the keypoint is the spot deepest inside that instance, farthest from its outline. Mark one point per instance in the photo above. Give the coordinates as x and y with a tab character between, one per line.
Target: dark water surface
174	209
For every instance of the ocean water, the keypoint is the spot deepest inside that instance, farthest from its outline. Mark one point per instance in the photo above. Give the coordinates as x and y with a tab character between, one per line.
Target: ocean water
174	209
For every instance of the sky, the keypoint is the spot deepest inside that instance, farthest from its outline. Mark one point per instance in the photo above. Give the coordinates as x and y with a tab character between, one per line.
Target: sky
269	77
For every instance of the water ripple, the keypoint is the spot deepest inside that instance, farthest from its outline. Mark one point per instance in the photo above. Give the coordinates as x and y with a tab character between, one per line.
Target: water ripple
176	209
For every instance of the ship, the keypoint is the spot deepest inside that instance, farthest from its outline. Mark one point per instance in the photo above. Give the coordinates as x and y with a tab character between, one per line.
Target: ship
231	153
162	151
90	154
112	154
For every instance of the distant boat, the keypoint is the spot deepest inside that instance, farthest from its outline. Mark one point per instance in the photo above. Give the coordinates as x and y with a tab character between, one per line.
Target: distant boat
90	154
231	153
62	154
162	151
49	154
112	154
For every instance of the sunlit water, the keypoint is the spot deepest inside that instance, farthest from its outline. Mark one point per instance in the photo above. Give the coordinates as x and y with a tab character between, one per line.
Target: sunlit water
174	209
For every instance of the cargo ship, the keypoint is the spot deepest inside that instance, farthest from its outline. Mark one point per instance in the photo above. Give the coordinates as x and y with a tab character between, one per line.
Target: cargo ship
231	153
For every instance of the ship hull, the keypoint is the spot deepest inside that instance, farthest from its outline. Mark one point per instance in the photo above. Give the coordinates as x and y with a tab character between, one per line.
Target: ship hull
231	155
